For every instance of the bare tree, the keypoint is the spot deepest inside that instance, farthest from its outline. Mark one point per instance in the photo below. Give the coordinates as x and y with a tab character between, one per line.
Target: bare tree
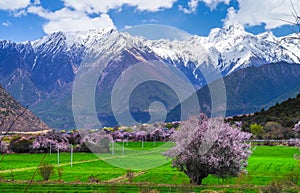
297	18
295	23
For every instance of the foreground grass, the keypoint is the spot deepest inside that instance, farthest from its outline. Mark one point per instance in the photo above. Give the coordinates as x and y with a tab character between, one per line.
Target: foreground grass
266	165
118	188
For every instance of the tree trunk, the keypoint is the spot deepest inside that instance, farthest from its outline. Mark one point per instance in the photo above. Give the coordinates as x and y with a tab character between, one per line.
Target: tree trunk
196	178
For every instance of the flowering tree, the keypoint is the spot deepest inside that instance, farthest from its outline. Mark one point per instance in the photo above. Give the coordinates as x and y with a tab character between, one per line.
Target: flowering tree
127	135
161	133
140	135
98	142
117	136
3	145
227	155
297	128
55	139
73	137
157	133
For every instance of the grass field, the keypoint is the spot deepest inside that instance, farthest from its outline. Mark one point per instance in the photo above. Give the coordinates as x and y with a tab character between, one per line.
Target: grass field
267	164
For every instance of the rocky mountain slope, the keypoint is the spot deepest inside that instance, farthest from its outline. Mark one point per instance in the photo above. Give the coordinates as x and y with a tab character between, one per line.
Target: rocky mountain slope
21	119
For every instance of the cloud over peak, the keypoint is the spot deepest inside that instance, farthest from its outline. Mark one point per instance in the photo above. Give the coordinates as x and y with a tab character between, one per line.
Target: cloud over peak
67	20
272	13
103	6
193	5
78	15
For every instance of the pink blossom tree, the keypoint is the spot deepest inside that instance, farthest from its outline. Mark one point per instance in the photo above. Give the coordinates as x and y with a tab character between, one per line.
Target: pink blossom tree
55	139
97	142
140	135
225	156
3	146
117	136
297	128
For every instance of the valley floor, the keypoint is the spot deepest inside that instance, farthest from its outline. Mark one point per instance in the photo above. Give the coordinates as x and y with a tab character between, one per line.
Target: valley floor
269	167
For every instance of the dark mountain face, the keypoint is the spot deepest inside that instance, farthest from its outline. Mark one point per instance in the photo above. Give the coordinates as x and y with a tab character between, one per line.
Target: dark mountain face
54	63
10	58
10	109
250	89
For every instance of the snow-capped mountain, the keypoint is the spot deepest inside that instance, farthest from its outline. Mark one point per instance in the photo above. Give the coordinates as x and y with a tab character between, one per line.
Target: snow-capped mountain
232	48
238	49
43	70
228	49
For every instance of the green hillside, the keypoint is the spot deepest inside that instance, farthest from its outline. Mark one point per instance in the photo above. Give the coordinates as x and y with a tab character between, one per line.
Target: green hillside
282	116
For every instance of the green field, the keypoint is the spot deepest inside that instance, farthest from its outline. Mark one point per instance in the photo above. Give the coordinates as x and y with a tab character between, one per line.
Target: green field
266	165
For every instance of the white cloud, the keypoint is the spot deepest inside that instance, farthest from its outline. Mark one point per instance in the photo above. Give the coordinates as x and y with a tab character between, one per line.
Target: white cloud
127	26
36	2
212	4
273	13
13	4
150	21
79	24
70	20
103	6
193	4
76	14
192	7
153	20
20	13
6	24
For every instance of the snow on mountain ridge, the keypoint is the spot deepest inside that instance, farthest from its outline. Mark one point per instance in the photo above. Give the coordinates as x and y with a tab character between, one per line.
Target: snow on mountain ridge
238	48
232	45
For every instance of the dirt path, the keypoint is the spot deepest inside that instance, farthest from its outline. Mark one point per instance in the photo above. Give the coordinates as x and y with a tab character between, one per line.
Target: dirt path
124	177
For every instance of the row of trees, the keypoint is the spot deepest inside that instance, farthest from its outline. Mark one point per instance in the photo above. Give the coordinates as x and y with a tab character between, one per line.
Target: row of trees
273	130
82	140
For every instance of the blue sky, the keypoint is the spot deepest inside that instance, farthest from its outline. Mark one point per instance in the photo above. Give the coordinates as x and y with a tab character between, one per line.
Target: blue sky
22	20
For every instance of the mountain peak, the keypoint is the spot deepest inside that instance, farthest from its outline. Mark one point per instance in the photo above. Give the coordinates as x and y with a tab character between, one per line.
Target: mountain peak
267	36
227	31
234	28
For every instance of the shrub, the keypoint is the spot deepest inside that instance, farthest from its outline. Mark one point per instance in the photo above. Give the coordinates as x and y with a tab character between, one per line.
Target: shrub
274	187
20	145
293	178
273	130
59	171
256	129
129	175
46	170
93	179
